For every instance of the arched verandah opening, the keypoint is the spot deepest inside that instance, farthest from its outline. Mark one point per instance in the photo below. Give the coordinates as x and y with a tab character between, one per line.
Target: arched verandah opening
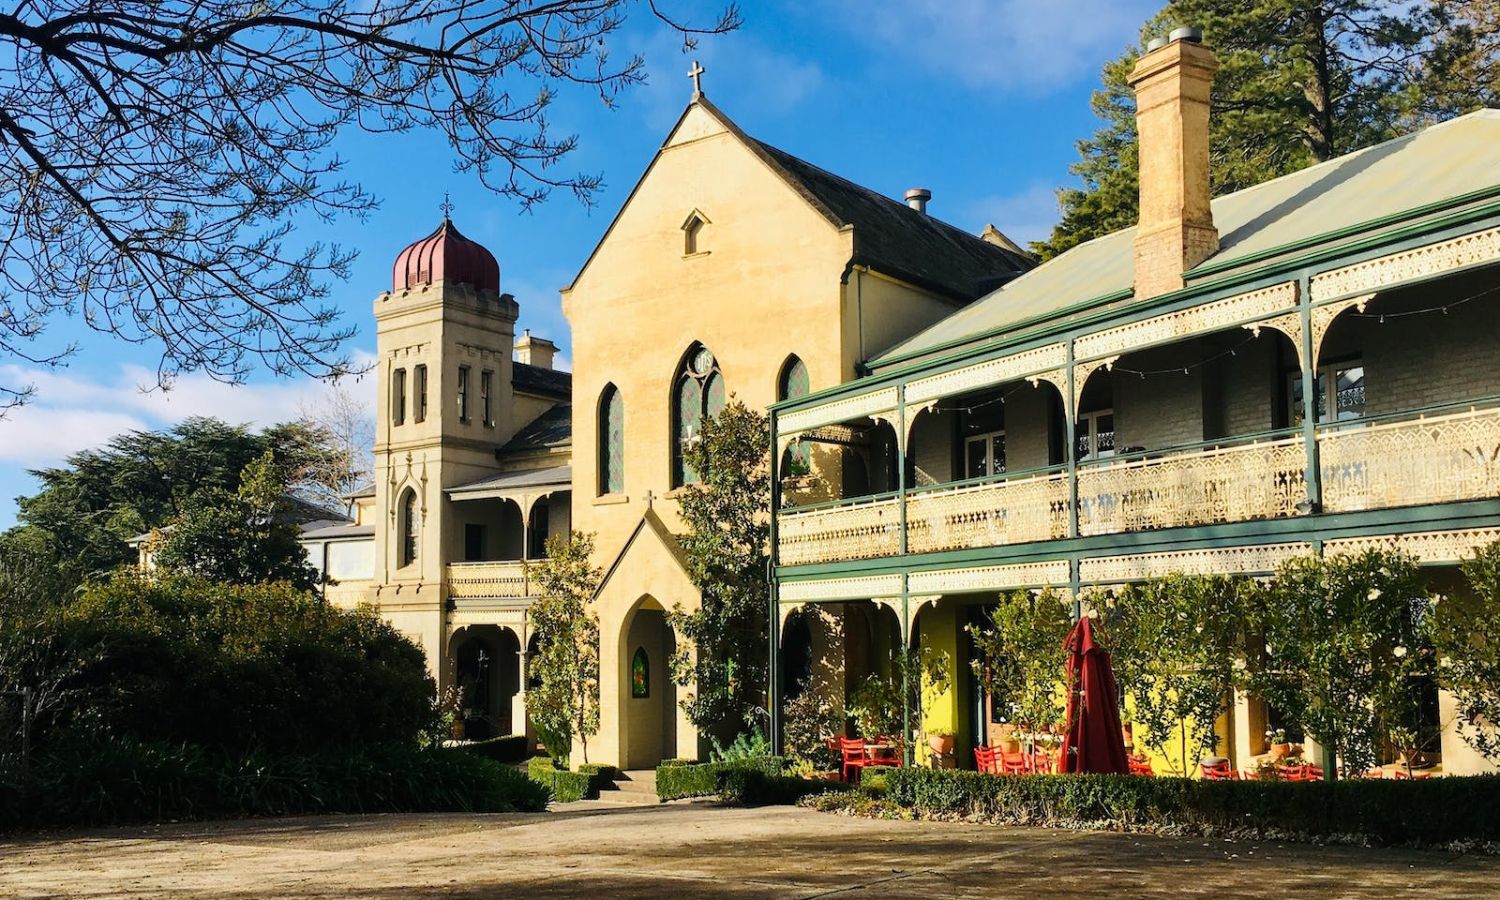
486	670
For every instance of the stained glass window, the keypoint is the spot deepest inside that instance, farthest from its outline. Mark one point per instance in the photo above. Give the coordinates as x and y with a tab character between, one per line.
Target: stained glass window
792	384
698	393
640	674
611	442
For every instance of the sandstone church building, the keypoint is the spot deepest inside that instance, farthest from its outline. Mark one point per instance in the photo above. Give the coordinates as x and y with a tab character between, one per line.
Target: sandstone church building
1212	391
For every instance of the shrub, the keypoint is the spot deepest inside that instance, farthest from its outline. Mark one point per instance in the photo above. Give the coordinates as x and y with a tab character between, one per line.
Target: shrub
565	786
541	766
180	660
119	781
678	781
1433	811
744	786
599	776
872	779
511	748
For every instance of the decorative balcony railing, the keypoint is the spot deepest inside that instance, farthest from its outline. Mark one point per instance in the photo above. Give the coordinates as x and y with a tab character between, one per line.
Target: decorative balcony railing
842	531
1382	463
487	580
1256	480
1012	511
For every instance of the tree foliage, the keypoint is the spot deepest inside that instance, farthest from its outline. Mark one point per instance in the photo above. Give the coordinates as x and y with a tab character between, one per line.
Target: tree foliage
247	537
1020	658
1343	645
179	659
1178	642
1299	83
155	156
563	702
1465	634
142	480
723	651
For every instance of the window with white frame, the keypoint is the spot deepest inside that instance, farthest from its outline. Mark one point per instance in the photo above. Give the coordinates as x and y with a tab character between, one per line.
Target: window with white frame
1339	393
1096	434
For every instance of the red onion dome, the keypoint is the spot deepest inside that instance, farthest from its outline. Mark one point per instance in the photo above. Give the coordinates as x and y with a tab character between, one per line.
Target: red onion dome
445	255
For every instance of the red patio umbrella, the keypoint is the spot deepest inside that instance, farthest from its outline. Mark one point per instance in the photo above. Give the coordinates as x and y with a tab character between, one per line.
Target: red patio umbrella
1093	742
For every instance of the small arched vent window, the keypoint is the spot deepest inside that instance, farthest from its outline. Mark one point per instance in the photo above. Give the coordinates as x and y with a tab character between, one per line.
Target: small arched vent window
692	234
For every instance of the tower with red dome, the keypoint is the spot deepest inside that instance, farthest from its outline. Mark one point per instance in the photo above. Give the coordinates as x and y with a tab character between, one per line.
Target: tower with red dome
444	337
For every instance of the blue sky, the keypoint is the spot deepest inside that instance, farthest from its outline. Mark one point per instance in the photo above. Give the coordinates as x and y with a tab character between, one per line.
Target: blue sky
979	100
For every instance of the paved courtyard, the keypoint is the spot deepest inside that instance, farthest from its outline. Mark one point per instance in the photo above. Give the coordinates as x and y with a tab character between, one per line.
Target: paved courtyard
697	850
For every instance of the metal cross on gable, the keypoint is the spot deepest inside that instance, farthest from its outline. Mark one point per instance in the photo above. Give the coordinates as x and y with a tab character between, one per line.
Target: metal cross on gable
696	73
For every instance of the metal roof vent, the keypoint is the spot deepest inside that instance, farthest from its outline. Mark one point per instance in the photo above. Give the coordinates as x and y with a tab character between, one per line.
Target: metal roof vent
917	198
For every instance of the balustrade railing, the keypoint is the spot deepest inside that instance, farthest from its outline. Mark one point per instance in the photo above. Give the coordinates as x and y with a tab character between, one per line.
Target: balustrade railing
834	533
1442	458
1259	480
484	580
1012	511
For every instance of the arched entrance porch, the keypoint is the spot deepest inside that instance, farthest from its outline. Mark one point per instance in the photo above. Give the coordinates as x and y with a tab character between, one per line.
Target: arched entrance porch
486	669
651	719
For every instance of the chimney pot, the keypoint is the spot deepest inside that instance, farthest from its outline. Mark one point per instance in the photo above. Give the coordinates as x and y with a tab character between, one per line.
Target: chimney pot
1156	43
917	198
1191	33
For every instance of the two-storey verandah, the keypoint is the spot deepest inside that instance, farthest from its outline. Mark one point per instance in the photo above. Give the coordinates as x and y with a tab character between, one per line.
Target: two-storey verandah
1138	439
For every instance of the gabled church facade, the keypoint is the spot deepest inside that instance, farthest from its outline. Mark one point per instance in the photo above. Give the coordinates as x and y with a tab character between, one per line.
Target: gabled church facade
733	269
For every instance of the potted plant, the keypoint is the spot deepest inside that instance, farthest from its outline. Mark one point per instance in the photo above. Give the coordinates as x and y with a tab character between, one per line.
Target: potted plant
1007	739
1277	742
940	742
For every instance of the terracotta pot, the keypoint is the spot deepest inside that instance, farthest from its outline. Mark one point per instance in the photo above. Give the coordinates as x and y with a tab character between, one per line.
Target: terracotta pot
1281	751
1008	745
941	744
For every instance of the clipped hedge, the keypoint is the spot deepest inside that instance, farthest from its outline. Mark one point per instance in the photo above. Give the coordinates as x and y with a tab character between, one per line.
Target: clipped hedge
120	781
1432	811
676	780
566	786
600	776
753	787
512	748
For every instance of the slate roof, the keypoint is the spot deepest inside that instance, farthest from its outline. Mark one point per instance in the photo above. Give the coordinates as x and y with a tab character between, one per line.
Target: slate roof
893	238
330	531
1442	162
537	380
552	430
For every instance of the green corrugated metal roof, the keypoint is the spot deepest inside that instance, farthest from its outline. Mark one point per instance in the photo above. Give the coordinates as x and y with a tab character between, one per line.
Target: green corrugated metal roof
1443	161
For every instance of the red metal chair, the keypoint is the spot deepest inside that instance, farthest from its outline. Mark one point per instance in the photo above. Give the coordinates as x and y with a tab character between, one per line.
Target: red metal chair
1013	763
1217	772
855	758
1403	775
1314	773
985	761
1140	764
1042	762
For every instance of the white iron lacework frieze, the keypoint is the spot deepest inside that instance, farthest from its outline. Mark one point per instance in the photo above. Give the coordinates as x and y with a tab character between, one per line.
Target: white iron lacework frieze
1212	561
1427	546
1410	265
990	578
985	374
865	587
841	410
1202	319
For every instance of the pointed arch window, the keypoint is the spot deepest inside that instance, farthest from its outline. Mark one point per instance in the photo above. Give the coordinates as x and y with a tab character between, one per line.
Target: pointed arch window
611	441
792	383
640	674
410	527
698	393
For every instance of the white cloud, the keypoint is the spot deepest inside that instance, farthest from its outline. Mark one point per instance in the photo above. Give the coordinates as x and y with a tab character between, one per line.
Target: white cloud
1025	216
1004	43
71	412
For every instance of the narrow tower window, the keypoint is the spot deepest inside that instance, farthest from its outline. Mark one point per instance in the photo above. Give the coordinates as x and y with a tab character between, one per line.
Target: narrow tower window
411	526
611	441
486	385
463	393
398	397
419	388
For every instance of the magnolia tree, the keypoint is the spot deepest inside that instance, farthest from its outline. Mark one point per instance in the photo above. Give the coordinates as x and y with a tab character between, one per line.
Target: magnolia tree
1176	643
564	701
1344	644
1465	634
1020	659
723	651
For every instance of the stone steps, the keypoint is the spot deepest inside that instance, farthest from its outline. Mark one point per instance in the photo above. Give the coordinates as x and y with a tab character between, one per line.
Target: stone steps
634	788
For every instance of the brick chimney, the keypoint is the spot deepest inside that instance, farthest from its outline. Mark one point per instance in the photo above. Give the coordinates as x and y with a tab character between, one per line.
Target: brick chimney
535	351
1176	229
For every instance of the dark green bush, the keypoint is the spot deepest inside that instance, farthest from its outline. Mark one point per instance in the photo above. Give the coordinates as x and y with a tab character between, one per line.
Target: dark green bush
746	786
565	786
600	776
120	781
1432	811
511	748
180	660
676	780
873	778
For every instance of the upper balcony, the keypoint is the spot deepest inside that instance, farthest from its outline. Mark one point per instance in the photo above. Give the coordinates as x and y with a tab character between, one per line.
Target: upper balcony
500	523
1375	401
